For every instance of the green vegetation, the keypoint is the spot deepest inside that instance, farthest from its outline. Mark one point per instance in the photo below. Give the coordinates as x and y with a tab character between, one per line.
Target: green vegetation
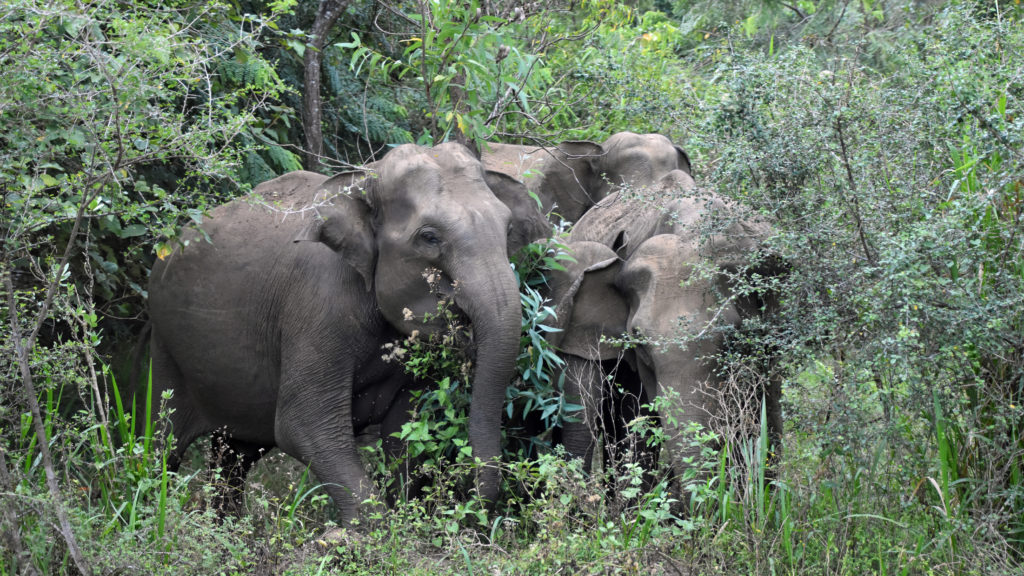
884	137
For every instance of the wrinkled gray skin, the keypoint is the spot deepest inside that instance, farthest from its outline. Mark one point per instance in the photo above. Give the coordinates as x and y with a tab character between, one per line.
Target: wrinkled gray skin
278	341
528	224
575	175
560	176
656	294
719	230
588	306
653	266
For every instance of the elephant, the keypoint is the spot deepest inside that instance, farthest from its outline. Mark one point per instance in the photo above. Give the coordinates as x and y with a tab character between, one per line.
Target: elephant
588	307
674	205
270	333
557	176
656	268
573	176
528	224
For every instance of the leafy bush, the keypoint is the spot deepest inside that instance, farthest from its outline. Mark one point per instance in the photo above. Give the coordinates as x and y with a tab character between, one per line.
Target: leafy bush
897	200
882	138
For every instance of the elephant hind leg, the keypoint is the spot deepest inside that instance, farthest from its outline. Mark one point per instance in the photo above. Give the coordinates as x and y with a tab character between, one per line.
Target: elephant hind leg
185	423
234	458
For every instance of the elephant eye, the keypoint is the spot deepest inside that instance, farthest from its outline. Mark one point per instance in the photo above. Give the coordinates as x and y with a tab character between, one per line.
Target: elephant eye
430	237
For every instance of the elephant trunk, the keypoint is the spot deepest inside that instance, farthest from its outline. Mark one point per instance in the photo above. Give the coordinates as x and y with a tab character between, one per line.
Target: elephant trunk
490	297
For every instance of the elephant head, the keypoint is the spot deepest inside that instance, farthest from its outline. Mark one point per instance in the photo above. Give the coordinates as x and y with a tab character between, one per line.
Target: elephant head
575	175
640	160
679	306
563	177
674	303
624	160
438	232
528	223
588	307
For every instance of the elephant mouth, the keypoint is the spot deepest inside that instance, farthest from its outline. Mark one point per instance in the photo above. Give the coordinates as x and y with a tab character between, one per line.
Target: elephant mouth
439	283
434	310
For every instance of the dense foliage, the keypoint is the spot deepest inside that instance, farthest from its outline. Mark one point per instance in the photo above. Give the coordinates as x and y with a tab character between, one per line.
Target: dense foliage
883	138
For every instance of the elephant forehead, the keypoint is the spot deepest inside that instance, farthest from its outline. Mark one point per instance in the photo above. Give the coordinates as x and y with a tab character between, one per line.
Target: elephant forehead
657	277
410	161
521	162
652	143
481	216
659	159
403	170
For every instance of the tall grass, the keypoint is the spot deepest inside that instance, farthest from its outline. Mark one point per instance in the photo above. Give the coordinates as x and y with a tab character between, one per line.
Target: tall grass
134	466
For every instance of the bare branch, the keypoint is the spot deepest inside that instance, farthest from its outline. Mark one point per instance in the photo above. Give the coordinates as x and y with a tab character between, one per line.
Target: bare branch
21	350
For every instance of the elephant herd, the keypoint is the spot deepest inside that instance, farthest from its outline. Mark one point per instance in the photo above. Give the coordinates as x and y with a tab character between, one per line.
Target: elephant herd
268	324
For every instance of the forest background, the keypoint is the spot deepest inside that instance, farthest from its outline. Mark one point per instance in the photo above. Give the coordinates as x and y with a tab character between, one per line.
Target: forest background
884	137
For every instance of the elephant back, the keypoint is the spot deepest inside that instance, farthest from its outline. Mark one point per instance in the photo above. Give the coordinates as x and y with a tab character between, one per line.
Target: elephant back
722	231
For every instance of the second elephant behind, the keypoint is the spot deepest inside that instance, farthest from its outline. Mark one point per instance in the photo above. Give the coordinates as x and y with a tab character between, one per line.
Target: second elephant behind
569	178
662	276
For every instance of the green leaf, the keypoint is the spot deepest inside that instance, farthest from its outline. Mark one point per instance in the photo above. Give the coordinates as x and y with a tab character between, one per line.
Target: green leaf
750	24
133	230
298	46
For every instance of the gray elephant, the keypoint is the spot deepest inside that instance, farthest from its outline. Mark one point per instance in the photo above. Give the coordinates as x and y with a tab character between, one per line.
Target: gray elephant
528	224
561	176
271	332
720	230
658	267
570	178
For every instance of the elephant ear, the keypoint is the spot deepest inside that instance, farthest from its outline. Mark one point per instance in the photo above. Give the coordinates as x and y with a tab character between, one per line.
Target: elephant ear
587	304
345	223
359	184
584	158
528	223
683	161
572	177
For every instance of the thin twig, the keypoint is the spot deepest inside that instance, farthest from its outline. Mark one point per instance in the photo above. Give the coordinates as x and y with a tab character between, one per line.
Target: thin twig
852	196
21	350
796	9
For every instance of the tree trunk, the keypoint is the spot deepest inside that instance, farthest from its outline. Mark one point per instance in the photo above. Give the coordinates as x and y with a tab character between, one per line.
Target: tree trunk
326	16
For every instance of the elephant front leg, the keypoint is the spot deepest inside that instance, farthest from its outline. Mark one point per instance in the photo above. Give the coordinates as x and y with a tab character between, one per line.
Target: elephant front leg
583	385
314	425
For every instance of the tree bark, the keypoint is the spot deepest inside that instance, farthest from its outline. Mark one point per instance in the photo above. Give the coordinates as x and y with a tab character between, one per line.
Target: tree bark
327	14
